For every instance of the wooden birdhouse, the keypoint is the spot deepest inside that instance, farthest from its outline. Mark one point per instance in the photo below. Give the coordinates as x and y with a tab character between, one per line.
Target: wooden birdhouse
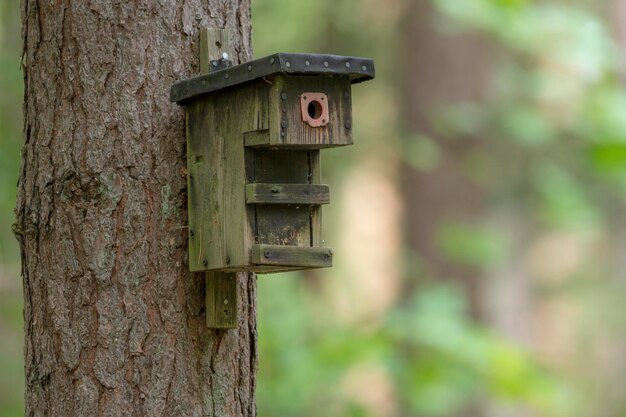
254	135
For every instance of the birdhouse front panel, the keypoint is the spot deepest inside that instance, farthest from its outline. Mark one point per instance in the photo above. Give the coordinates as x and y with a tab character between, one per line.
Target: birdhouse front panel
311	112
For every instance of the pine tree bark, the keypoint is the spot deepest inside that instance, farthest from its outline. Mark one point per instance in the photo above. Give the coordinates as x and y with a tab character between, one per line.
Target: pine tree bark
114	323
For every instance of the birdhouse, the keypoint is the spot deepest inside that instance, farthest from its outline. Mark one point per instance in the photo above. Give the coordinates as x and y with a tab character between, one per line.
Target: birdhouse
254	135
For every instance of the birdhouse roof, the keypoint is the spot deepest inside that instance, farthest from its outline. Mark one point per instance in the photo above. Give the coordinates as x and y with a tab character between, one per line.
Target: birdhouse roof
358	69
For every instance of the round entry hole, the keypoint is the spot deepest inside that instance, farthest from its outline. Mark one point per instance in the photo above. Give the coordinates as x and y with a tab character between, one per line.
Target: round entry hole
314	109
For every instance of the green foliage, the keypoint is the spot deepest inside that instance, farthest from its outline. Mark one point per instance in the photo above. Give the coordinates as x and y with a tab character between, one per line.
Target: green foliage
435	357
467	244
553	130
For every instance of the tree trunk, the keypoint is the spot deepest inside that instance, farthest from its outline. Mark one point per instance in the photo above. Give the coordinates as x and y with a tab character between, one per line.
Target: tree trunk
441	71
115	325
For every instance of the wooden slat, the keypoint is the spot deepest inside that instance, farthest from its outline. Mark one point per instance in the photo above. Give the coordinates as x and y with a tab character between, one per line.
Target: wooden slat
256	138
221	300
291	256
221	288
213	43
315	214
281	224
304	194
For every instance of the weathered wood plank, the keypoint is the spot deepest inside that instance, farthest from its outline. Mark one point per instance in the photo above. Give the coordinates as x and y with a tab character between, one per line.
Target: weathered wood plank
287	129
305	194
275	224
315	177
204	181
221	300
256	138
213	43
208	207
291	256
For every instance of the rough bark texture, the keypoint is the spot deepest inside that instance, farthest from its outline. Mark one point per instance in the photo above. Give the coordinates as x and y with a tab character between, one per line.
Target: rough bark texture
114	323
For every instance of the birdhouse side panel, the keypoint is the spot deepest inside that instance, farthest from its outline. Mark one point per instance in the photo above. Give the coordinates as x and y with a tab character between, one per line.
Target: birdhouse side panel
221	224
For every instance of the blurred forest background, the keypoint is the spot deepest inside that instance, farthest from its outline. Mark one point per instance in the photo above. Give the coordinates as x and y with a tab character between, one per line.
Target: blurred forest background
479	221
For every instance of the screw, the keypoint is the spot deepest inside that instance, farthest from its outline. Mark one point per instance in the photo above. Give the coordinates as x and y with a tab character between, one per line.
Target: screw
227	260
205	262
267	254
214	63
203	82
347	124
274	190
364	68
225	301
283	123
191	233
326	63
226	75
347	65
272	61
249	67
307	63
288	64
283	95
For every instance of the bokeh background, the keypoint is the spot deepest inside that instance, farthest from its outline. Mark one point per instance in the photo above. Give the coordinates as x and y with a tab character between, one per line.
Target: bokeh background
479	221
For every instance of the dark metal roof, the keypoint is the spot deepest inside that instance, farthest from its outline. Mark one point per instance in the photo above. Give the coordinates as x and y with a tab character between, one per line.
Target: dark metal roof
359	69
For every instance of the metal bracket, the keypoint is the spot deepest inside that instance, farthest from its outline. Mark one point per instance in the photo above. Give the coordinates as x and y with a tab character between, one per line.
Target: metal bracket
220	64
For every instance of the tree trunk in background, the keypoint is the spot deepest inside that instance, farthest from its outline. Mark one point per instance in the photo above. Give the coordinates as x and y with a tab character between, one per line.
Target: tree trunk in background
115	324
441	71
